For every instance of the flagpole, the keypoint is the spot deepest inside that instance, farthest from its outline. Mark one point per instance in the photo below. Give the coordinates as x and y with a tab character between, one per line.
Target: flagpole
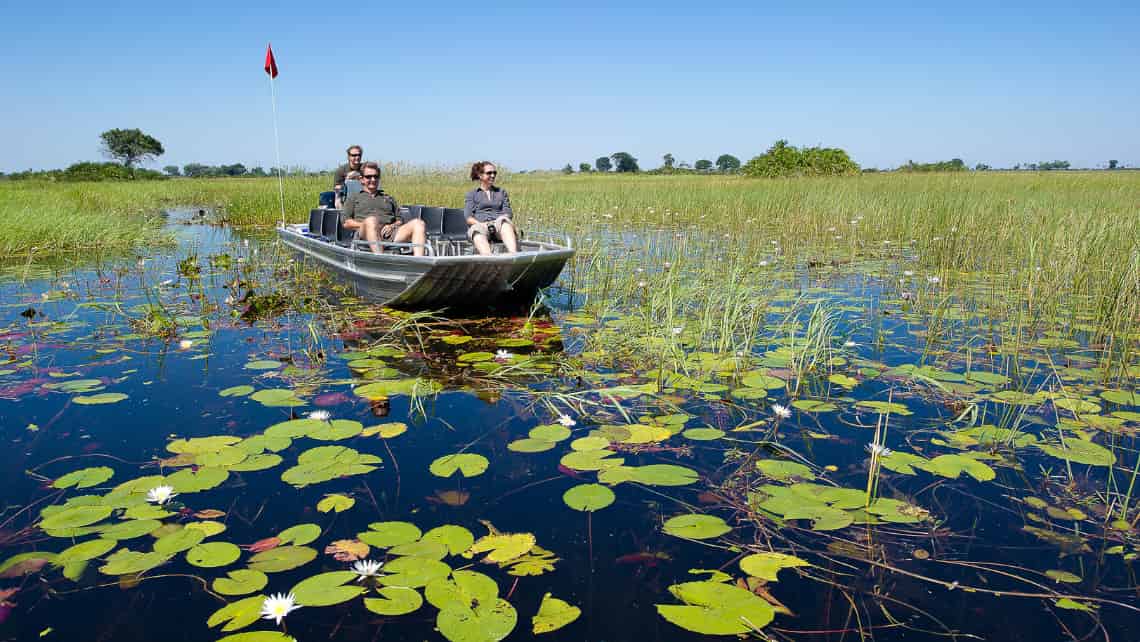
277	142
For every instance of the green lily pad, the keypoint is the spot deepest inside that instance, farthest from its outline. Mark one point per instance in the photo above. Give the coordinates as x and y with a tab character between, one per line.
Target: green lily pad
336	503
75	517
457	339
593	442
1080	451
282	558
502	547
588	497
761	379
388	534
814	405
696	526
885	407
529	445
85	551
242	581
236	391
430	550
468	465
413	572
300	534
767	565
591	460
553	614
127	562
335	430
953	465
784	470
475	357
1077	406
195	481
1121	397
663	475
465	588
326	589
715	608
1064	576
272	395
263	364
213	554
259	636
130	529
703	434
100	399
550	432
238	615
84	478
487	622
397	600
178	541
456	538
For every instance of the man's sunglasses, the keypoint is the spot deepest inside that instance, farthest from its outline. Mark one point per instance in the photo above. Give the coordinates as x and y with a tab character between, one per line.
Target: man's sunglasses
355	155
370	177
490	173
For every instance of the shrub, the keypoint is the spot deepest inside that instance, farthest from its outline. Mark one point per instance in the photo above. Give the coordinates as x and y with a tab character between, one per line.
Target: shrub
783	159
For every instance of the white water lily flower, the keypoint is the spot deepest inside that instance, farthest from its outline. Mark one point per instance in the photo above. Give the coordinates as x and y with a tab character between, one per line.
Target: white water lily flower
678	330
167	282
366	568
850	344
907	296
781	411
908	272
185	344
503	355
763	264
641	284
933	279
878	450
567	421
320	415
276	607
160	494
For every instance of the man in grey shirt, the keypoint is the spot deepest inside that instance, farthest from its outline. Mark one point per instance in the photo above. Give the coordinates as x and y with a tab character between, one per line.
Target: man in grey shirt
375	215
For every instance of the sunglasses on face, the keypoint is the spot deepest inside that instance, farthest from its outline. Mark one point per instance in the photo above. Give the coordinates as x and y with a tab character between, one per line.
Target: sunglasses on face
370	177
355	155
490	173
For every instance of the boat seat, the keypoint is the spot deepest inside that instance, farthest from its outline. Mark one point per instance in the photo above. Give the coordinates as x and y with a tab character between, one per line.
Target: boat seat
433	220
316	221
330	223
413	212
454	225
326	199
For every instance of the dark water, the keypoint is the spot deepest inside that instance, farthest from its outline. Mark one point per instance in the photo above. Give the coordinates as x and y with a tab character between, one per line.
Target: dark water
88	322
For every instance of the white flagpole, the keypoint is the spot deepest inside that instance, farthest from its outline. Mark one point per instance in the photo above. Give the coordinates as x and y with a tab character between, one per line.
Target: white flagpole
277	147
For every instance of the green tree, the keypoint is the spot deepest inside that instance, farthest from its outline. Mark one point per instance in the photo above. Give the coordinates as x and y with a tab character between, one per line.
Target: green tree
568	169
584	168
237	169
668	161
130	146
703	165
603	164
196	170
623	162
783	159
727	163
982	167
172	170
257	171
1113	163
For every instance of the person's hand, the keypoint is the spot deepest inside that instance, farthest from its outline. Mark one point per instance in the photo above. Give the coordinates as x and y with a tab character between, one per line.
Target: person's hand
385	230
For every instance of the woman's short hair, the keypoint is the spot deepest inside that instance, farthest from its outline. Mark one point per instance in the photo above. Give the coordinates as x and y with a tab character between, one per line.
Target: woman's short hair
370	165
477	169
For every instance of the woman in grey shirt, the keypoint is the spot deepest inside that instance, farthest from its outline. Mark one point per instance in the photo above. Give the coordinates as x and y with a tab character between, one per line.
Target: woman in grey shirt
488	211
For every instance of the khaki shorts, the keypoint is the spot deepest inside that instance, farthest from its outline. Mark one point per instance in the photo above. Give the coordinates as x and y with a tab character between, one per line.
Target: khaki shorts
490	229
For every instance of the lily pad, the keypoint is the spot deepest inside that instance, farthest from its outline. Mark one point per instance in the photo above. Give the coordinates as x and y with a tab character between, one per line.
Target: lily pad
127	562
703	434
335	503
236	391
529	445
953	465
178	541
84	478
1080	451
767	565
550	432
326	589
238	615
456	538
814	405
553	614
588	497
397	600
430	550
282	558
300	534
784	470
696	526
468	465
413	572
213	554
502	547
465	588
388	534
242	581
75	517
85	551
259	636
664	475
484	623
715	608
100	399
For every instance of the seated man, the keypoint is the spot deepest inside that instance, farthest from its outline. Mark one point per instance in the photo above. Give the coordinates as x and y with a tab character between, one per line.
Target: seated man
355	160
374	215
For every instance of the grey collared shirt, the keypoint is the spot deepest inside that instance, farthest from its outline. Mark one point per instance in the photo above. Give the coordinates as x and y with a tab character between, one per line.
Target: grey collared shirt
485	207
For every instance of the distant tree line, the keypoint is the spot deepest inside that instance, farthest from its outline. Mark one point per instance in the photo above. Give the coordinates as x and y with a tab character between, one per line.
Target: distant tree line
952	165
198	170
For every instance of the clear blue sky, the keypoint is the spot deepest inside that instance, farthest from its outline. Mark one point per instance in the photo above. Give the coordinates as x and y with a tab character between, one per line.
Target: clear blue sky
539	84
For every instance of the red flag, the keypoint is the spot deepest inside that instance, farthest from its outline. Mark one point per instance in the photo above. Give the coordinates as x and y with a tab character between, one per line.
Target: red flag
270	62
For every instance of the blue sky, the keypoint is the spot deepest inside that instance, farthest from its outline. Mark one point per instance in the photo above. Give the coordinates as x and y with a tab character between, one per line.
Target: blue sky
537	85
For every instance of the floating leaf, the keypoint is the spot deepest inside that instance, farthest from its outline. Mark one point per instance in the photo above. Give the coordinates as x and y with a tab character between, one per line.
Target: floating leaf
703	434
84	478
213	554
25	563
1068	603
530	445
326	589
238	615
236	391
430	550
1064	576
1121	397
335	430
550	432
501	546
767	565
336	503
413	572
75	517
127	562
843	380
784	470
300	534
761	379
901	462
100	399
1079	451
388	534
885	407
85	551
593	442
386	431
130	529
588	497
485	623
953	465
398	600
347	550
1076	406
553	614
242	581
178	541
663	475
264	364
714	608
591	460
456	538
535	562
696	526
259	636
465	588
282	558
468	465
199	445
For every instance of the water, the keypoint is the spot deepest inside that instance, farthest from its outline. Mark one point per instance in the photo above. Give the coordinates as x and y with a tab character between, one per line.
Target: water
171	334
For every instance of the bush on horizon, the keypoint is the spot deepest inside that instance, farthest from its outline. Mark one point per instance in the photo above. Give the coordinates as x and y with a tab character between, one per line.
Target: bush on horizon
783	159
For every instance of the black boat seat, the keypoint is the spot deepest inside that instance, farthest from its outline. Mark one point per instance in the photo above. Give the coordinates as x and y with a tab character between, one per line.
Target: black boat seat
413	212
454	225
330	223
433	220
316	221
326	199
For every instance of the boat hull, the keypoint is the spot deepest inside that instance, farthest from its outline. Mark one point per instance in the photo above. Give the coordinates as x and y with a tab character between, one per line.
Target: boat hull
463	280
